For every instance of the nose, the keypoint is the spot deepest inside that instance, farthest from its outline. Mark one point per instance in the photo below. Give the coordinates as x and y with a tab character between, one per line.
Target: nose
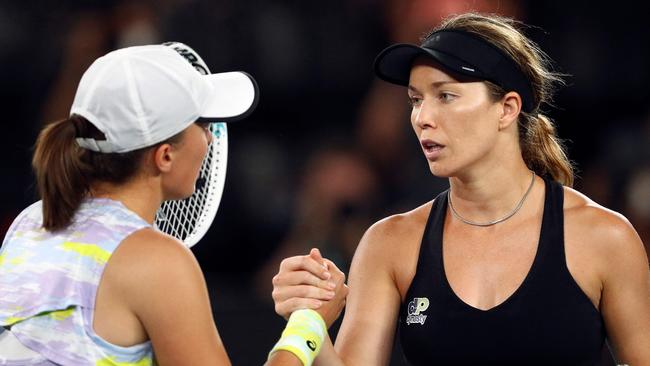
424	115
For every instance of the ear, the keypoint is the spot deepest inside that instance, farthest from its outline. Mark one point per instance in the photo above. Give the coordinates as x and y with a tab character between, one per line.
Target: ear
163	157
511	103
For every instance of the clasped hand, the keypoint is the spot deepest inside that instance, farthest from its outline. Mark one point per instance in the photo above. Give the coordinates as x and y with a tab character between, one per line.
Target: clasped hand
310	282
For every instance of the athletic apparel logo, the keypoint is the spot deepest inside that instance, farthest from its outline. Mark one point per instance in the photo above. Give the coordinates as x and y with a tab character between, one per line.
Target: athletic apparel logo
416	306
189	56
311	345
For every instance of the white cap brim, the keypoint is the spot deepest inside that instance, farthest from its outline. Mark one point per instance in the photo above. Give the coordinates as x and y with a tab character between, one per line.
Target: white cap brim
233	96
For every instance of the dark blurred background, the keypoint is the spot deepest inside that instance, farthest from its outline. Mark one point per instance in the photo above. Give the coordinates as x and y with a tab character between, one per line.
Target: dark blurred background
329	149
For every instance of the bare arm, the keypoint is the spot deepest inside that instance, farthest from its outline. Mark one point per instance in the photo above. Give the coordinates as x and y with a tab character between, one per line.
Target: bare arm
625	303
166	290
366	335
329	309
368	328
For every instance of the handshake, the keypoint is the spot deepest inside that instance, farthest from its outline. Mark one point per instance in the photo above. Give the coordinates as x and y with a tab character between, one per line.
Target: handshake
310	282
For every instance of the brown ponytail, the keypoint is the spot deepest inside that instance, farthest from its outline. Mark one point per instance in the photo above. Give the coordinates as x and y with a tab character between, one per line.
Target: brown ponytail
60	177
541	149
66	172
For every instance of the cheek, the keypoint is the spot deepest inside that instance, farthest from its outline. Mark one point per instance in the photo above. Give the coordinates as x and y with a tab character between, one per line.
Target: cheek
200	147
414	115
202	152
475	131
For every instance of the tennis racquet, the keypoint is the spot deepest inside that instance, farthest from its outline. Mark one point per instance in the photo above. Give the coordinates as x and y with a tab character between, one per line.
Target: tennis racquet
189	219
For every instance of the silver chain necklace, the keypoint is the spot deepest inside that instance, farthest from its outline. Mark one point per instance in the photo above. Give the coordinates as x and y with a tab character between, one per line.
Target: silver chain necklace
490	223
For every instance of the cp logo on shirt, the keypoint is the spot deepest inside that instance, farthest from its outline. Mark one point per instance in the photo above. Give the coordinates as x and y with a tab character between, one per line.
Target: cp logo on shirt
418	305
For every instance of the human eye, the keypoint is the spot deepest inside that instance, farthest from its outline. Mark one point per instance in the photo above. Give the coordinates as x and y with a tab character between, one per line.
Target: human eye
414	100
446	97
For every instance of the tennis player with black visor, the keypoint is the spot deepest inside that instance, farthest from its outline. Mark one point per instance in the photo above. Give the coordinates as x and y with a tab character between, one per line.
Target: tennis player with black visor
510	265
87	277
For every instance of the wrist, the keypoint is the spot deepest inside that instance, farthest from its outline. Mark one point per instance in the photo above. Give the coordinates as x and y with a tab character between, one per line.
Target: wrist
303	336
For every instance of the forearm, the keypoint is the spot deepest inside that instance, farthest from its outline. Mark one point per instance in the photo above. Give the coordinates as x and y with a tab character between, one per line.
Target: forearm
328	355
283	358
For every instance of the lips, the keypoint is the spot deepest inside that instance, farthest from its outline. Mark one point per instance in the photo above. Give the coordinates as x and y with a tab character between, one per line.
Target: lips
431	148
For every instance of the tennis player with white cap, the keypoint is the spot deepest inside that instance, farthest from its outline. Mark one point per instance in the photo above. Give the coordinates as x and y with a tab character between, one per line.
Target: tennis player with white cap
85	277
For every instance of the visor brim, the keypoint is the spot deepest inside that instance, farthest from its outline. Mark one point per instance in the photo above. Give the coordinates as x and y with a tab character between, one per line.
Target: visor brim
234	96
394	63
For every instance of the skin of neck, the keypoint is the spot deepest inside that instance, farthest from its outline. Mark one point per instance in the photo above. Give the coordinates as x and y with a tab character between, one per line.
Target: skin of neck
142	194
491	186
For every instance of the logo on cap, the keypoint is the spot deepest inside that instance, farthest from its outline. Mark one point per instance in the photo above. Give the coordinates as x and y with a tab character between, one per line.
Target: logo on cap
191	57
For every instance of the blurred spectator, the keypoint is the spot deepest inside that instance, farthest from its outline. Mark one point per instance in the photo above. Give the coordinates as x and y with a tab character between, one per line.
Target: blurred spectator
335	203
621	179
46	46
94	31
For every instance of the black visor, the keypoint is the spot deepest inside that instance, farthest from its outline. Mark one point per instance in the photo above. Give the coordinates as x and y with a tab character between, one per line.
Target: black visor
460	52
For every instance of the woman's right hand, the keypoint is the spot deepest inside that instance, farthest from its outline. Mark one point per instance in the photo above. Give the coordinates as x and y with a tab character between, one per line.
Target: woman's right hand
309	282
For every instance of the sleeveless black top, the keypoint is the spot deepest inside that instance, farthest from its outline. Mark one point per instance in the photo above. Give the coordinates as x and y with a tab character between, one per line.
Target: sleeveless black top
548	320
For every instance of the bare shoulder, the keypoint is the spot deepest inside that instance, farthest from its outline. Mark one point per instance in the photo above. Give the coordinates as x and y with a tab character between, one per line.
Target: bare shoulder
161	284
147	259
602	231
392	246
149	250
598	222
396	230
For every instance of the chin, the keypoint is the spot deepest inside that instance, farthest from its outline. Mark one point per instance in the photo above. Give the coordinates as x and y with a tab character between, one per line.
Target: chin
440	170
187	194
179	195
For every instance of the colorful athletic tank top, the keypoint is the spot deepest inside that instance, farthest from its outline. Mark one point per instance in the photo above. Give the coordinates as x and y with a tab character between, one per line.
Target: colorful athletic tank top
49	280
548	320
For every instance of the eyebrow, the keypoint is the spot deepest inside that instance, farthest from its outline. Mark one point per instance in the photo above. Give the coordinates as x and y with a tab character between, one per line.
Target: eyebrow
436	84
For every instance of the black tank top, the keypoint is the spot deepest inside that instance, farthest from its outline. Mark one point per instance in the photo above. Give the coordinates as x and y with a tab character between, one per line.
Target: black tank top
548	320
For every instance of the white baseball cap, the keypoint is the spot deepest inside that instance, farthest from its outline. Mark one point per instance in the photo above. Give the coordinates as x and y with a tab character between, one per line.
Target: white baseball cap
140	96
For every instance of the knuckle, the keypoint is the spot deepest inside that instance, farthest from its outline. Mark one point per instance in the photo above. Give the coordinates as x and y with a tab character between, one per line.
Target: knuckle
287	262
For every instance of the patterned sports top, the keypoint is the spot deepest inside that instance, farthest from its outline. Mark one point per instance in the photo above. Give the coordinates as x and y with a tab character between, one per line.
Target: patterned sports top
49	280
